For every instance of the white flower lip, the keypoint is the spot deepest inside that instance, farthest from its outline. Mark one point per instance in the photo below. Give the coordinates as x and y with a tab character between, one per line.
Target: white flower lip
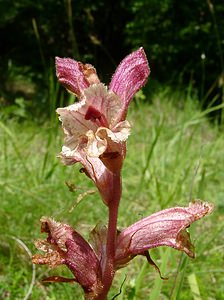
75	124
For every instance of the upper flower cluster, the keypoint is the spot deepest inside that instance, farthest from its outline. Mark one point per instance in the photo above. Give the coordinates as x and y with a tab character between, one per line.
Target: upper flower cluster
95	127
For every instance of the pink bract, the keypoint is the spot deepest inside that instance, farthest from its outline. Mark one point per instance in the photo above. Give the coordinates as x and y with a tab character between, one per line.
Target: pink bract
164	228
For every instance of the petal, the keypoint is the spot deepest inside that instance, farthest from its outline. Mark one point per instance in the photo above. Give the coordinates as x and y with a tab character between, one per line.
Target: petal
109	145
98	142
164	228
95	145
82	261
113	158
74	75
70	74
53	258
105	102
101	176
130	76
58	233
90	73
69	155
73	120
120	132
93	168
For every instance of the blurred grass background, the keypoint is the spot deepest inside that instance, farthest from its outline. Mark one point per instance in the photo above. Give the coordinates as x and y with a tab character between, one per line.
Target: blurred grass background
175	151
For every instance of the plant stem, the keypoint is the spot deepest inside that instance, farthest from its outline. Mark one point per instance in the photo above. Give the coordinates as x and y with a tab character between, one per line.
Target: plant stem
109	271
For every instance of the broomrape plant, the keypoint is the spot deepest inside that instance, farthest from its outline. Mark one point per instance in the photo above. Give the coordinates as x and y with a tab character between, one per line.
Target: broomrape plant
96	131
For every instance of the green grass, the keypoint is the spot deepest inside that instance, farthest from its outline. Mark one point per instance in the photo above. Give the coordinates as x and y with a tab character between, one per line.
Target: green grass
174	155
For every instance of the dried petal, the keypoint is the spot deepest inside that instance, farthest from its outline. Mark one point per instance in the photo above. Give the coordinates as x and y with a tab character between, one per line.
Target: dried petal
164	228
90	73
94	168
66	246
74	75
52	258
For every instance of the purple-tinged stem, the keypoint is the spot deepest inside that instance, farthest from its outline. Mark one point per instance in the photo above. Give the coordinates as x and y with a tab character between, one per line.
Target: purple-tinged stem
108	272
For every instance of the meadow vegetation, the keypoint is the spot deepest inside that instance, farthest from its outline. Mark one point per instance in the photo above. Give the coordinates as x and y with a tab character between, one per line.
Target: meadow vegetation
175	155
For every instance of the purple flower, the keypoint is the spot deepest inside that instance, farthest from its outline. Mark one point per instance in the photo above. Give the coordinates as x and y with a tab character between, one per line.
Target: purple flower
66	246
95	127
164	228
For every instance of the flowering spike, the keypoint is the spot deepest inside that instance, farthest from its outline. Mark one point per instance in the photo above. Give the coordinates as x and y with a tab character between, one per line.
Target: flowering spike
95	127
96	130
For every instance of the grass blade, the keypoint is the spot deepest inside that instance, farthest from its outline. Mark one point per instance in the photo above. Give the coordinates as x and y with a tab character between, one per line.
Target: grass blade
179	278
192	280
149	156
17	151
139	279
156	291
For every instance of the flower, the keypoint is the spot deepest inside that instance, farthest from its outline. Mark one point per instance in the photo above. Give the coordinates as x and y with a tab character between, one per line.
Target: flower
87	263
95	127
164	228
66	246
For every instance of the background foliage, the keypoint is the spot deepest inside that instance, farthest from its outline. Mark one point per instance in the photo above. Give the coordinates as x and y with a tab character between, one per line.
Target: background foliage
183	40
